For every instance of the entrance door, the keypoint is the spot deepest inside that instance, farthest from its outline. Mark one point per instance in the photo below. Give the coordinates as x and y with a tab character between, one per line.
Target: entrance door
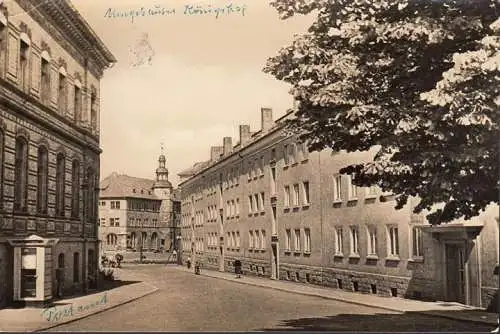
274	262
455	273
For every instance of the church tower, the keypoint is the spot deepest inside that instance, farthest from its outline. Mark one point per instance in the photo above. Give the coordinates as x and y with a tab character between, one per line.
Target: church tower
162	186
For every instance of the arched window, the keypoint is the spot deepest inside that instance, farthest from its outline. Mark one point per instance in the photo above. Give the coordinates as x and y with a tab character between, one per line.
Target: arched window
75	189
91	195
76	267
43	176
21	175
2	143
60	261
60	180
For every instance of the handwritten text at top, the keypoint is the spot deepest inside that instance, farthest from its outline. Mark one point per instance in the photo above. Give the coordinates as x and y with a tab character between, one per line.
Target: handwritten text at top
230	9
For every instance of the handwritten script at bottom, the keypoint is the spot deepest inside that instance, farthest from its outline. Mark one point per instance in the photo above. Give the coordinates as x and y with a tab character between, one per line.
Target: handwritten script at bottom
57	313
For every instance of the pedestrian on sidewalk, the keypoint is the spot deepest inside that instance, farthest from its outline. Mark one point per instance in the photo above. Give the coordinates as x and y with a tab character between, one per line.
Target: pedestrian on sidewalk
237	268
188	262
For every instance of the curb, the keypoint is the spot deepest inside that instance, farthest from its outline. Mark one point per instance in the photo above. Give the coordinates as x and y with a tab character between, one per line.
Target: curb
427	313
155	289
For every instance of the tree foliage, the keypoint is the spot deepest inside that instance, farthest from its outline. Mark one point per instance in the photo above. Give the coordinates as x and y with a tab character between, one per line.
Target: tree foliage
417	79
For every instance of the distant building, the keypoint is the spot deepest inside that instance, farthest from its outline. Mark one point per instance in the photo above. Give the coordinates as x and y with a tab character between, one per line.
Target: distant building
137	213
51	64
289	214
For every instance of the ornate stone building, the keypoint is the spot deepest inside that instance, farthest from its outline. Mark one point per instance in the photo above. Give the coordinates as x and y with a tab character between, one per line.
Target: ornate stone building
51	63
289	214
137	213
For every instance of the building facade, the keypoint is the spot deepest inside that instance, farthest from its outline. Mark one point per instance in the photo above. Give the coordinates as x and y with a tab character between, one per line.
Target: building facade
289	214
51	64
137	213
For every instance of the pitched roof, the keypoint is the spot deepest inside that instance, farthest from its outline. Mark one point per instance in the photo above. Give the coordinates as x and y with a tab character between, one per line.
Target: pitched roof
117	185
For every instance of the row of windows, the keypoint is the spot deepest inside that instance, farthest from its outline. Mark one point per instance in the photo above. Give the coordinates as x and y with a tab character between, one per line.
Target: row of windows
293	242
212	240
21	180
138	222
257	240
296	152
61	264
233	239
256	203
233	208
292	194
392	236
33	72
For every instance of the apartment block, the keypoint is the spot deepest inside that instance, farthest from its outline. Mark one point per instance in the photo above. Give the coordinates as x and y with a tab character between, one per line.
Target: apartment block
288	214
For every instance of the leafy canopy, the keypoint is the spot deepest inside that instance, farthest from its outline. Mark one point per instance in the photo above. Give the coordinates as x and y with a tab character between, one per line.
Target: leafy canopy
416	79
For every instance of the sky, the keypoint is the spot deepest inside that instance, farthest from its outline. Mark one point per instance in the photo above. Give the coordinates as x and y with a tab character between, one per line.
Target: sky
204	78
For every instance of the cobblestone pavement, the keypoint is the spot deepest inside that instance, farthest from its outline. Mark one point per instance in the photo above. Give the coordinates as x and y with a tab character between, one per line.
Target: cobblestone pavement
188	302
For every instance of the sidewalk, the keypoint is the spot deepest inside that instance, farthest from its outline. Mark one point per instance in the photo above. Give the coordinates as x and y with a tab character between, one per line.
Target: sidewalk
72	309
453	311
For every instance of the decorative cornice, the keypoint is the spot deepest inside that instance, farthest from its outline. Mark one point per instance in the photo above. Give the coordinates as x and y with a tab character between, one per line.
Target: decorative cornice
61	20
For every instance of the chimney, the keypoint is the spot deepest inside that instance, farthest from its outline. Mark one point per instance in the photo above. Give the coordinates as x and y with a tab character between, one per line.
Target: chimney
266	119
215	152
228	145
245	134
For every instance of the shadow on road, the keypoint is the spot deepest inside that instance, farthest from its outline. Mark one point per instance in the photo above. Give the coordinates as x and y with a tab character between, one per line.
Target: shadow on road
380	322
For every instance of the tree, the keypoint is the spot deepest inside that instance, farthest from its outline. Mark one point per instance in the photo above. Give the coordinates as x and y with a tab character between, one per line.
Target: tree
416	79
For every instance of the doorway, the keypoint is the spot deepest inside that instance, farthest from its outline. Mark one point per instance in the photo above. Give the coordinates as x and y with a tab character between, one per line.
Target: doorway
455	273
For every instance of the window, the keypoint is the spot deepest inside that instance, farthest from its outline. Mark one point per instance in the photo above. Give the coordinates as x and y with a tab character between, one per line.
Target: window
296	244
393	241
305	186
307	240
76	267
42	175
337	188
237	207
23	61
372	240
354	241
262	201
417	244
286	157
353	189
117	221
293	152
250	204
62	94
305	151
256	239
263	239
78	103
296	195
45	80
228	209
93	110
60	186
287	196
257	203
273	181
21	175
250	240
238	239
2	143
288	240
371	191
75	191
261	166
103	222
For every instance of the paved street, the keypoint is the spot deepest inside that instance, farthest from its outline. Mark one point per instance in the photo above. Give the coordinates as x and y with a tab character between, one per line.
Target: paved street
187	302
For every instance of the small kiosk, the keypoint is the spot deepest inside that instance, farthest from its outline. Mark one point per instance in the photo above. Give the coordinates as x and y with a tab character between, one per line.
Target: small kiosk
32	281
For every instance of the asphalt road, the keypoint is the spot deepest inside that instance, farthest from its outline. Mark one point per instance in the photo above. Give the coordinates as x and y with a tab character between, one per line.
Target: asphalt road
187	302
